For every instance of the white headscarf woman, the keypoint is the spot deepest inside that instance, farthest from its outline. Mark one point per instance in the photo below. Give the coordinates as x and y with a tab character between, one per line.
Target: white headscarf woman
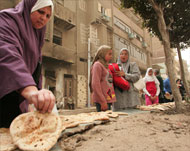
151	78
42	3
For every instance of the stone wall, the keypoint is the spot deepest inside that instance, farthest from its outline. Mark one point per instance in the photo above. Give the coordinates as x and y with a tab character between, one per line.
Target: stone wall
82	91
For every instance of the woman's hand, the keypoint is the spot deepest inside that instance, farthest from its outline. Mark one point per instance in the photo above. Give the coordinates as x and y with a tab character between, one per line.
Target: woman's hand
120	73
153	98
104	106
43	100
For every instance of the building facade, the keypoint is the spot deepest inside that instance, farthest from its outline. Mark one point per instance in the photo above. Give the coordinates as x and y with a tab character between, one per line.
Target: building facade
128	33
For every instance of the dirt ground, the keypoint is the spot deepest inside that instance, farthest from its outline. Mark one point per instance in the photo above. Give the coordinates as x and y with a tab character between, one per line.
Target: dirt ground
136	132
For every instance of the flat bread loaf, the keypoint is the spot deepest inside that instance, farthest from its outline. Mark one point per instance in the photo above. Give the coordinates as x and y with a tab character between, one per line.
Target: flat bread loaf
83	118
68	122
34	131
6	142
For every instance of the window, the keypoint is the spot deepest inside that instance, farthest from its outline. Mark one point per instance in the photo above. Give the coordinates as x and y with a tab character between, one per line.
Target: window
57	37
49	73
83	60
99	7
122	25
132	50
102	10
82	5
138	37
138	54
127	29
57	40
121	43
108	12
144	58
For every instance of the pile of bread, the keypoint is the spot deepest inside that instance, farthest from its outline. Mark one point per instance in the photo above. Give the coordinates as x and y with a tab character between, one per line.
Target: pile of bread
161	107
34	131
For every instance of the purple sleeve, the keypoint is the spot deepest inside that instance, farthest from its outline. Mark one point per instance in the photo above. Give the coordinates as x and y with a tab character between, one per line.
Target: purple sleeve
96	83
13	71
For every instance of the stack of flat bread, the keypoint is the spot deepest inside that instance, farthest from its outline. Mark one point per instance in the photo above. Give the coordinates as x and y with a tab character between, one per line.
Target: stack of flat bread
6	142
161	107
34	131
70	121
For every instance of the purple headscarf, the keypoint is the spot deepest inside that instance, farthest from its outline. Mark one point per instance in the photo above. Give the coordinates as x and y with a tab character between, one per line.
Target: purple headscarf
20	47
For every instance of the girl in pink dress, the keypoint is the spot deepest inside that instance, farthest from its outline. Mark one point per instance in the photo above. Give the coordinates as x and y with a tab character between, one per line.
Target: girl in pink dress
101	80
152	88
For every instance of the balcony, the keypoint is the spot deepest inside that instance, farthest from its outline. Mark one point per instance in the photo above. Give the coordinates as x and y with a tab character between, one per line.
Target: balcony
131	36
63	17
144	45
58	52
105	17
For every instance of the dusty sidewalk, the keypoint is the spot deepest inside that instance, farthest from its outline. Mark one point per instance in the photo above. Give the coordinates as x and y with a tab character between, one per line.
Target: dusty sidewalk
136	132
76	111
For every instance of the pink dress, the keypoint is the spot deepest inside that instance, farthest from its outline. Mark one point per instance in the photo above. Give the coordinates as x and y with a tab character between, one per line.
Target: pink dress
151	88
102	84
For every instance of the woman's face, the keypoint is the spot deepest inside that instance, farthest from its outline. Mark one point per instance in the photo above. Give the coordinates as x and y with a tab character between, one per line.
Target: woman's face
40	17
108	56
124	56
178	82
150	72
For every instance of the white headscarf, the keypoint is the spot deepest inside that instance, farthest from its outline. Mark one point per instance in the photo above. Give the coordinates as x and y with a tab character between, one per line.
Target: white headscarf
125	65
148	78
41	4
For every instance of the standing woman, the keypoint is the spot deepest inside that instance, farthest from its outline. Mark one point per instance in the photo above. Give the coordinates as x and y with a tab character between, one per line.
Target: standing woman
101	80
129	70
22	32
152	88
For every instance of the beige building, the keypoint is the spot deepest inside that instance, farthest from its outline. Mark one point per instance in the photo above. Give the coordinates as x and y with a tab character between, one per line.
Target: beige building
128	33
75	31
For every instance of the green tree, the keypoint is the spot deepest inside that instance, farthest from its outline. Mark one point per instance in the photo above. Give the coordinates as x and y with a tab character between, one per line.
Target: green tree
164	18
180	33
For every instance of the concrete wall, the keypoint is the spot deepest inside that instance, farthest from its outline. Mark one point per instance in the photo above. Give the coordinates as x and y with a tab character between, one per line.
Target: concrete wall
6	4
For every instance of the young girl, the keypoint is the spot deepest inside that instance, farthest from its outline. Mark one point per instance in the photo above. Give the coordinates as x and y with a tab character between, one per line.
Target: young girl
101	81
152	88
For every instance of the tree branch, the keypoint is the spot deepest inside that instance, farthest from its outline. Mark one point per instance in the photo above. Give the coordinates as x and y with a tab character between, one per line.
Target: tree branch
157	7
169	25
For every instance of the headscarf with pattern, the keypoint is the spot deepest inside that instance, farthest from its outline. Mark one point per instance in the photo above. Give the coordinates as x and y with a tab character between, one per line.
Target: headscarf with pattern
124	65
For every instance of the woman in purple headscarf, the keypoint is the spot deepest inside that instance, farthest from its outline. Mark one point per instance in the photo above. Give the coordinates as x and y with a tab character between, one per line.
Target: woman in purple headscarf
22	32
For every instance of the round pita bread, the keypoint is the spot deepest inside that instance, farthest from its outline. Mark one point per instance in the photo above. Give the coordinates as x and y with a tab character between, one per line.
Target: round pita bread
99	116
34	131
6	142
83	118
68	122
